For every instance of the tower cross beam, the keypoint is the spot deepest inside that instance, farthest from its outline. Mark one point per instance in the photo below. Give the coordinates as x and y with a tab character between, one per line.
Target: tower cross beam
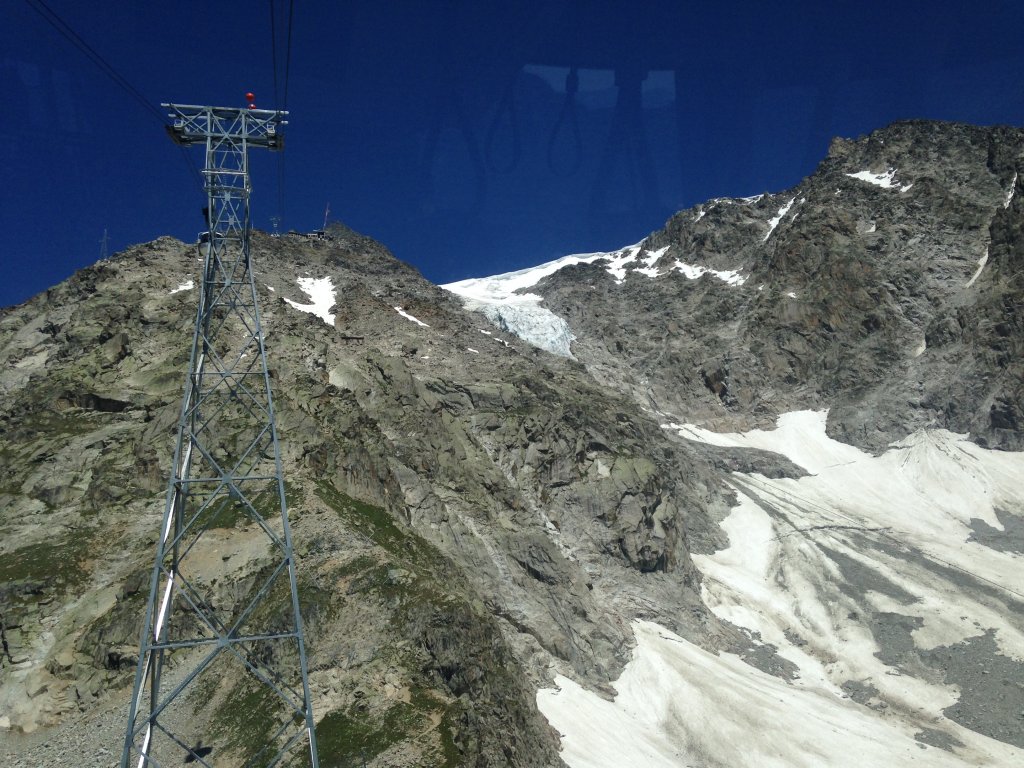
197	125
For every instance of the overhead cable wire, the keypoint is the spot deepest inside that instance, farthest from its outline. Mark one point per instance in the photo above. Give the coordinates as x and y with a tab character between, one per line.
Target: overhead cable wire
288	51
277	105
282	103
54	20
273	47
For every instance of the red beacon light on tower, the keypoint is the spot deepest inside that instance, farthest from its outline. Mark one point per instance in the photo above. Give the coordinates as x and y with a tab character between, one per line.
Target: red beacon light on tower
251	98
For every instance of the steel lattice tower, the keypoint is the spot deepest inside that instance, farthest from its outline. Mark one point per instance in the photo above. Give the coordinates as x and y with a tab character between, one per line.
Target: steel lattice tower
223	661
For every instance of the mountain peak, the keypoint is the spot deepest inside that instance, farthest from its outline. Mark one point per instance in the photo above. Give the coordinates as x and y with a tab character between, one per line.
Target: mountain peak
757	475
881	280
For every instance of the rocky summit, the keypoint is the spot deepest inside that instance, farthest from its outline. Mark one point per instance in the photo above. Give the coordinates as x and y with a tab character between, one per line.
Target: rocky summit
746	493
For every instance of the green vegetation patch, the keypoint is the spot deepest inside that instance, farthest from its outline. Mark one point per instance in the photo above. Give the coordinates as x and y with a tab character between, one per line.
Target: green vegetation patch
247	719
451	713
378	526
348	738
228	512
57	562
316	603
368	519
41	420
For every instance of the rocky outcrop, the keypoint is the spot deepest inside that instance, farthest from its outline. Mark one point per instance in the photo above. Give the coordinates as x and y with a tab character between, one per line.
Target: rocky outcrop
471	514
881	287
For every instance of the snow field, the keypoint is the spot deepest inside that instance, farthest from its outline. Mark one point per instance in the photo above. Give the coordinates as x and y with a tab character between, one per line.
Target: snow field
777	219
680	706
811	564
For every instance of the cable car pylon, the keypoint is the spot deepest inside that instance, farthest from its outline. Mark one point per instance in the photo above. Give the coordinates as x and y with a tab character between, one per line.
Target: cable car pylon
224	664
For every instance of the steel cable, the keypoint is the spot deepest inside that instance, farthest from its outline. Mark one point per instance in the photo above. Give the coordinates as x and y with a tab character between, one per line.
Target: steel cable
277	92
54	20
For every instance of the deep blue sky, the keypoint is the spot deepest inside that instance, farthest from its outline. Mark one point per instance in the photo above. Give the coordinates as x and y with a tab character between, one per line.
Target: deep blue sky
443	128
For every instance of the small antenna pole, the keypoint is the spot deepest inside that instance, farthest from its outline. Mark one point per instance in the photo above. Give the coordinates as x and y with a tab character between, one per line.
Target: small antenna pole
103	245
326	212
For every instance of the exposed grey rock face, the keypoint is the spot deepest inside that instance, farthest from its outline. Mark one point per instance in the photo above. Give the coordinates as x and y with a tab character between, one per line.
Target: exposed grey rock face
470	514
886	286
473	515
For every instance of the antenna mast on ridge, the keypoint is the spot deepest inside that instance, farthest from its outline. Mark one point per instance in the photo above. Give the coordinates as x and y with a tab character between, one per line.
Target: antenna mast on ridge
211	656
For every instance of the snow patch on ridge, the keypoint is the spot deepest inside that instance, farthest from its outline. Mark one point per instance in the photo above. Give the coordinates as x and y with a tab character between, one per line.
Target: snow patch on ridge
884	180
774	222
691	271
649	261
186	286
506	286
618	261
745	200
409	317
977	273
1010	192
320	290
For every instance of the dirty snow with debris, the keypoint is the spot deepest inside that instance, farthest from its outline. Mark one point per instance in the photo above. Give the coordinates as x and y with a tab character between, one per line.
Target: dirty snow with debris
869	578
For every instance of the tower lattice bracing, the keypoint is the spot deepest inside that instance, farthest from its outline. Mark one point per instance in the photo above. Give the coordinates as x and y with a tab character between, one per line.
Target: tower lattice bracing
222	677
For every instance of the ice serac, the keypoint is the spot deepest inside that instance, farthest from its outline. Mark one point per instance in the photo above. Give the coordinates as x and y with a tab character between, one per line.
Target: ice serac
505	300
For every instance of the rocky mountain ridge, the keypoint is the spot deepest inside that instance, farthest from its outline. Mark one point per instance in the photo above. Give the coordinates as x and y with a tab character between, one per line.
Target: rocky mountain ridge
886	287
475	516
